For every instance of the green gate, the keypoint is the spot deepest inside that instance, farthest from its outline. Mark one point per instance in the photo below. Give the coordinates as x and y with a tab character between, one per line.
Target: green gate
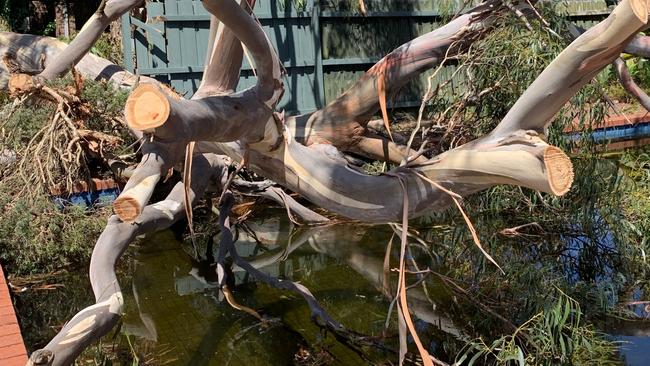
324	44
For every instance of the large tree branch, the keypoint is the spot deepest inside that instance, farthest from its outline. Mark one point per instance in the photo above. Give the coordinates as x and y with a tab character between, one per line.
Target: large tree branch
157	159
582	67
151	108
224	58
33	53
514	153
380	148
244	126
574	67
108	11
523	159
269	85
344	120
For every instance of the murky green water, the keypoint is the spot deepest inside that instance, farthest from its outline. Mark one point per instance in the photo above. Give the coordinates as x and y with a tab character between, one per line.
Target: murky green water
175	315
177	308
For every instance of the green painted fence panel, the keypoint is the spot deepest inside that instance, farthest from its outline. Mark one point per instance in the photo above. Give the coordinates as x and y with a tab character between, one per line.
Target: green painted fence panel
324	45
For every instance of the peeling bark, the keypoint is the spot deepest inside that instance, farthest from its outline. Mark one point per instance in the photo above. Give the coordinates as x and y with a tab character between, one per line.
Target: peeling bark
344	120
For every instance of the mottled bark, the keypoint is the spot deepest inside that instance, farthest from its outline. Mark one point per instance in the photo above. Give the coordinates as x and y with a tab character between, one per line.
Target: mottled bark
519	159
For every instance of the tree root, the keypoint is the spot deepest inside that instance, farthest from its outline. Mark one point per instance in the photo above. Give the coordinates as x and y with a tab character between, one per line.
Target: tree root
55	153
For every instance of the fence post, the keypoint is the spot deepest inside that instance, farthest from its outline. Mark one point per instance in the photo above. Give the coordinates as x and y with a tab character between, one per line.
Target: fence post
319	79
127	42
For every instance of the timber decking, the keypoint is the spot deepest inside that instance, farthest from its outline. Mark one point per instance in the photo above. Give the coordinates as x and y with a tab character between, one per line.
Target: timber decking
12	348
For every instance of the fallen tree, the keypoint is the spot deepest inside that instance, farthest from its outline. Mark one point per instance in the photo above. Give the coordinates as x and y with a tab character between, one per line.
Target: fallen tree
303	153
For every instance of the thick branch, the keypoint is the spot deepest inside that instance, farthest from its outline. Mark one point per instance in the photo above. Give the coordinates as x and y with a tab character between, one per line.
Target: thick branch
150	108
224	58
108	11
157	159
269	86
512	154
639	46
629	85
32	53
343	120
520	159
574	67
218	117
380	148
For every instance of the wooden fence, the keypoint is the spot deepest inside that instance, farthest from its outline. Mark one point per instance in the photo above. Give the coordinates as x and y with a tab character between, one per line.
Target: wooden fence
324	44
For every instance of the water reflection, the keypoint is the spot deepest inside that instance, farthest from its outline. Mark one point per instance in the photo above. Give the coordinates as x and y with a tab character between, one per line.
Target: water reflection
176	304
174	313
177	308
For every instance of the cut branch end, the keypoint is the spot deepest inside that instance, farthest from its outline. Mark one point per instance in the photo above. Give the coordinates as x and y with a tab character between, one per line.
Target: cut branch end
137	192
559	170
127	208
20	83
640	9
147	108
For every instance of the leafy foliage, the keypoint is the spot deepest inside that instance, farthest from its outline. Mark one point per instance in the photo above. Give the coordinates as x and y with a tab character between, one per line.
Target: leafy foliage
37	237
557	336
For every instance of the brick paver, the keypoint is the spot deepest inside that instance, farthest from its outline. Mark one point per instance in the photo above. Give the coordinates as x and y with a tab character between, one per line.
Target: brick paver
12	348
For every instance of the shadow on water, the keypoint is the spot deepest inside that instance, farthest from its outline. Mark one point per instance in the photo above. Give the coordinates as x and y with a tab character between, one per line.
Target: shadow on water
174	313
